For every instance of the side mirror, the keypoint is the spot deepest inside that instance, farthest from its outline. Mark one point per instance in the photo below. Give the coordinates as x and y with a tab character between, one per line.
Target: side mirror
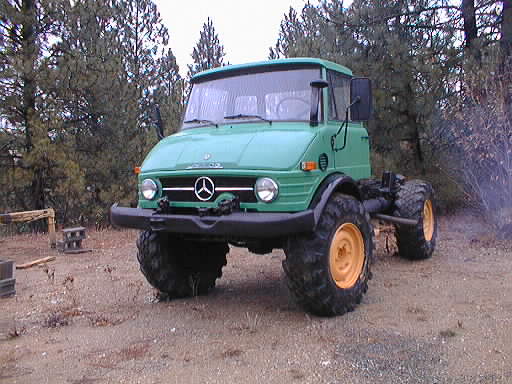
360	99
316	86
157	120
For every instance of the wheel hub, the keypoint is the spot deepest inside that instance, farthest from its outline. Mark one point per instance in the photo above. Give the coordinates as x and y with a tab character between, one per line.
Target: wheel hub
346	255
428	220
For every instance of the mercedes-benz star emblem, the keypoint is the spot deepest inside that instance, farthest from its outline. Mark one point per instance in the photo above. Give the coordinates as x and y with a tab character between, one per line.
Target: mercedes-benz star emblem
204	188
207	156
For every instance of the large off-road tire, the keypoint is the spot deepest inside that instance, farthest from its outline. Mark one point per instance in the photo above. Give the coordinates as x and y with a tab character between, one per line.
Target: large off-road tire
327	271
180	268
415	200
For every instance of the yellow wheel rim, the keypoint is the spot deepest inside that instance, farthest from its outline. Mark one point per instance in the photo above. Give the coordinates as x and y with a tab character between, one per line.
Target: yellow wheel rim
428	220
346	255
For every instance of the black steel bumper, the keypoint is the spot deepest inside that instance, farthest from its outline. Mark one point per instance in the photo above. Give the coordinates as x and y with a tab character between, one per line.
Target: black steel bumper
236	224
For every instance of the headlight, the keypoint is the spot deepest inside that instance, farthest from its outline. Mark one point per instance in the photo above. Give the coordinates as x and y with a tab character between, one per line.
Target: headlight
149	189
266	189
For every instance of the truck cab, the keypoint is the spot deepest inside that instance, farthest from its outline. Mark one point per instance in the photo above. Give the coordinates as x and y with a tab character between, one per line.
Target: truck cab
260	121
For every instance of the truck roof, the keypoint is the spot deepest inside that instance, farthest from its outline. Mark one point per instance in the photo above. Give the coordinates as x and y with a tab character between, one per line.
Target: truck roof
279	62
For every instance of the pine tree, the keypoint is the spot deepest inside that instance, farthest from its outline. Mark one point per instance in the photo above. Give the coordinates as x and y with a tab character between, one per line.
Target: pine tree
88	91
209	52
169	92
22	32
113	93
377	39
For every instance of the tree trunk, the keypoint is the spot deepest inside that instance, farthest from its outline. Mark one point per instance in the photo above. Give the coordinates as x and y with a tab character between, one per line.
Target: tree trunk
471	30
29	56
469	16
506	30
506	53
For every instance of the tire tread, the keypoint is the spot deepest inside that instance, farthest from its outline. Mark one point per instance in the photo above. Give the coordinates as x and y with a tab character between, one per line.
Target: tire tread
178	268
306	264
409	204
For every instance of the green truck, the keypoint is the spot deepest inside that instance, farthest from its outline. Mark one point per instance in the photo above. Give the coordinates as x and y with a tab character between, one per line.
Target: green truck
274	155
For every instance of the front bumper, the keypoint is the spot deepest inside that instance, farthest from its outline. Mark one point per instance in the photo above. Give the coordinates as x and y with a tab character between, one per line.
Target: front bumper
236	224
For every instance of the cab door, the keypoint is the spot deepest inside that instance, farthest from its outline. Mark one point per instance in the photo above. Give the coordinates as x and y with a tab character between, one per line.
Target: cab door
350	148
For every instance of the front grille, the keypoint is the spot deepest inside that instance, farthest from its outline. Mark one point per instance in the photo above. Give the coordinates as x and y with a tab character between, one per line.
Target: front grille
182	188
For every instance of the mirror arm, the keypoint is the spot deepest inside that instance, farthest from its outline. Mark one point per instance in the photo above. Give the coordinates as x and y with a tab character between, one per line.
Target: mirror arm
344	124
356	100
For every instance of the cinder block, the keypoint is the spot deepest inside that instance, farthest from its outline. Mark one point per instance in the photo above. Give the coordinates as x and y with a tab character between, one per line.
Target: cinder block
74	234
72	240
7	280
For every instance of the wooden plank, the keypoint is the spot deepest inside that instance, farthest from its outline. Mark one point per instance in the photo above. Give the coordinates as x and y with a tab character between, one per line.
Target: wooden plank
76	229
19	217
77	250
35	262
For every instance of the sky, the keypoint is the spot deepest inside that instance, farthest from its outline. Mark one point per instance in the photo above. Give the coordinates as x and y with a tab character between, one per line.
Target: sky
246	28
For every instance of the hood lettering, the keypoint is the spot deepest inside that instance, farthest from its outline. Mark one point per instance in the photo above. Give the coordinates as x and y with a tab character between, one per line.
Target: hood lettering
205	166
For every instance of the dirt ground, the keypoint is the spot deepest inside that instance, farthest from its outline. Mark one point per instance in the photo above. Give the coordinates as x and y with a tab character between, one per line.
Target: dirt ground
92	318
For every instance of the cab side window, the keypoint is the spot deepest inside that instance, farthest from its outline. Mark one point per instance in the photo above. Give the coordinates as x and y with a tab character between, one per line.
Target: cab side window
339	95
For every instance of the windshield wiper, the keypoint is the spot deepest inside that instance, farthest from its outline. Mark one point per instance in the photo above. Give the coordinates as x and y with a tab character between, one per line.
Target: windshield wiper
242	116
199	121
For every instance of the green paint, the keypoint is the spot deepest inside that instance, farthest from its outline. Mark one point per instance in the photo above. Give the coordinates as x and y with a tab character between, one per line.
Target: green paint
240	146
294	61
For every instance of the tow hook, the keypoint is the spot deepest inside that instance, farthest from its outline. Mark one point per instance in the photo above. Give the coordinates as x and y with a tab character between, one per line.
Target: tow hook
225	207
164	205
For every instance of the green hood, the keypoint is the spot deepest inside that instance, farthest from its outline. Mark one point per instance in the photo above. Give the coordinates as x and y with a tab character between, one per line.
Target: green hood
241	146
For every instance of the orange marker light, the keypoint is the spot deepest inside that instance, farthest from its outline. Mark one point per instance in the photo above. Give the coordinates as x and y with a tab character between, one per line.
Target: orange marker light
136	170
309	165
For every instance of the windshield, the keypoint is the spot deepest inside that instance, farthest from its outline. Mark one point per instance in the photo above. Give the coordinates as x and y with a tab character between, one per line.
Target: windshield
279	95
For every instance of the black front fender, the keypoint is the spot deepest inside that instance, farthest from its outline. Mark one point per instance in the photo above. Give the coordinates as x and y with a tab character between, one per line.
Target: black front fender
334	183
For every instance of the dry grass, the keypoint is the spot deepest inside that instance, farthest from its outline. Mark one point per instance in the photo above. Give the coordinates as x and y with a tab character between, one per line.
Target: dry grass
100	320
134	351
55	320
15	332
232	353
250	323
447	333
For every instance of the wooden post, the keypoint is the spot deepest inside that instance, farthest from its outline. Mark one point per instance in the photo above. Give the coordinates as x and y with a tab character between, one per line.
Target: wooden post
20	217
51	228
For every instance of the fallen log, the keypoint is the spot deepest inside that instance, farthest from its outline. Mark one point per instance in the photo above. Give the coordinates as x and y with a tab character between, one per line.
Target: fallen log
35	262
